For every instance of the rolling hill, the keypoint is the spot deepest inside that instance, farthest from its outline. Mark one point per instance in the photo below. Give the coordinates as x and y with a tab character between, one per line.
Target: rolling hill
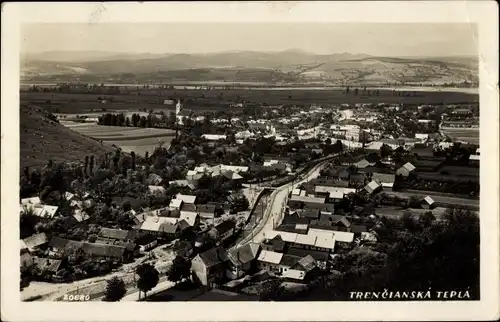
288	66
42	139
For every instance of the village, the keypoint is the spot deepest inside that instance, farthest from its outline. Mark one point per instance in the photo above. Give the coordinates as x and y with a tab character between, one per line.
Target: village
244	206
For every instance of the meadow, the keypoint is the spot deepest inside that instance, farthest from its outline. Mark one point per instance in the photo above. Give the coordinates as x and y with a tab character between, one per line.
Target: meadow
139	140
470	135
212	100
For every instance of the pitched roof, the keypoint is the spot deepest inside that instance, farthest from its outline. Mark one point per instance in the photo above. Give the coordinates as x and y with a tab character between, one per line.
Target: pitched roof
225	226
80	215
114	233
186	198
384	177
408	166
372	186
358	229
189	207
35	240
214	256
47	264
428	200
270	257
31	201
308	263
206	208
189	217
244	254
103	250
289	260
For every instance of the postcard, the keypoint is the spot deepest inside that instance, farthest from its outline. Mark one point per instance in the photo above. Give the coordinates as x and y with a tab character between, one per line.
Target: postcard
304	161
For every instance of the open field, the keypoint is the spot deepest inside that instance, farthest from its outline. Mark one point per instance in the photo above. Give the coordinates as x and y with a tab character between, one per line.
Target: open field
470	135
203	100
139	140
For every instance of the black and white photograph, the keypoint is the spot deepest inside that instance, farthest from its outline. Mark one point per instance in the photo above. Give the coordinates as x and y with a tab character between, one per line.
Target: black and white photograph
267	161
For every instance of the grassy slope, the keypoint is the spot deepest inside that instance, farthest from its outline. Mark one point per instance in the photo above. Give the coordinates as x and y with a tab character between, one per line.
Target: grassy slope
43	139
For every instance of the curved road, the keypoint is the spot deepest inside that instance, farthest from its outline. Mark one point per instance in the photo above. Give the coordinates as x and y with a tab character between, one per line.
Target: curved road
274	210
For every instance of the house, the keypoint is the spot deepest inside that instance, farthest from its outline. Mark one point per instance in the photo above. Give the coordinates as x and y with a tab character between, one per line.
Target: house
241	260
357	179
191	218
26	258
209	266
364	163
231	175
462	111
33	242
331	222
206	211
146	242
109	234
47	265
80	215
186	198
422	136
31	201
224	230
308	213
474	159
161	226
373	187
156	189
275	244
334	193
154	179
116	252
185	183
175	203
427	203
43	211
406	169
269	261
385	179
214	137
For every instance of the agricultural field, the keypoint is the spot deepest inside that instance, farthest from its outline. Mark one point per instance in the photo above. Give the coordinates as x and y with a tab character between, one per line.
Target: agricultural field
139	140
218	99
470	135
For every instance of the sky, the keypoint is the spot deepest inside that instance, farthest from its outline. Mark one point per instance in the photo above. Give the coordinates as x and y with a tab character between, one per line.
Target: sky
378	39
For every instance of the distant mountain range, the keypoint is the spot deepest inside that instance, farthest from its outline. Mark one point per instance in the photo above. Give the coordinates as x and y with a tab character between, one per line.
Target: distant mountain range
238	66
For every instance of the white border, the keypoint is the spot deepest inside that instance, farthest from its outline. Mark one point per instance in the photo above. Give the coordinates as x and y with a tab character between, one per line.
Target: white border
484	13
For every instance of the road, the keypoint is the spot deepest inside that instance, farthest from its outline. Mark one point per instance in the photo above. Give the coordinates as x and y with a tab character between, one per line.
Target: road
439	199
275	209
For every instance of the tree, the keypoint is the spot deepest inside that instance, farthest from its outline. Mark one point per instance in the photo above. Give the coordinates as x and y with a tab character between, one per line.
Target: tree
148	278
180	269
385	150
132	155
91	164
115	290
86	164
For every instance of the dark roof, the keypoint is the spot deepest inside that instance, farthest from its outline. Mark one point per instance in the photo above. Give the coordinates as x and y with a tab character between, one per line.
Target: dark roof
115	233
372	157
294	219
188	207
423	152
103	250
183	225
321	207
145	239
317	255
291	228
225	226
277	243
289	260
357	177
324	182
207	208
57	242
358	229
309	213
344	175
214	256
244	254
